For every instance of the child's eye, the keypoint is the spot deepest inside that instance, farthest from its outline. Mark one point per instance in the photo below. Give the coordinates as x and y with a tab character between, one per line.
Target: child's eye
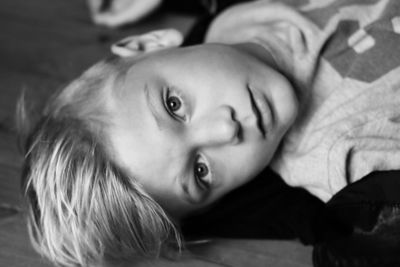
175	104
202	174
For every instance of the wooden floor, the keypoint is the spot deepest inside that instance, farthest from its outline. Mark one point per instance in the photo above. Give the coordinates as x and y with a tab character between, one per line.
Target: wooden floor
44	44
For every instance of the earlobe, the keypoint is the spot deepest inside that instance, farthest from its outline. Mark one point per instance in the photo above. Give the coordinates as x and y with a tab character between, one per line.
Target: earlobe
148	42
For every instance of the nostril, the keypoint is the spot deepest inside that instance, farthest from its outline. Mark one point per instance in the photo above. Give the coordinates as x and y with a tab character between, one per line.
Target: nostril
232	113
234	126
239	132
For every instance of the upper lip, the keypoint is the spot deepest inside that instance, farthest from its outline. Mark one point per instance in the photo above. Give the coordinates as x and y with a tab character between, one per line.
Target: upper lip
257	112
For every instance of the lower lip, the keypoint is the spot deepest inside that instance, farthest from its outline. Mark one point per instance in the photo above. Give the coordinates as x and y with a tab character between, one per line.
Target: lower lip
264	108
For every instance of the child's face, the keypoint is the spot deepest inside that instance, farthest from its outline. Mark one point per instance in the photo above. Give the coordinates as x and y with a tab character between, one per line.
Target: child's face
191	124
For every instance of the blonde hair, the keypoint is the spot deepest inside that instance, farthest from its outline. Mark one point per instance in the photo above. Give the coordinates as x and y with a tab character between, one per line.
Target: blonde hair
82	208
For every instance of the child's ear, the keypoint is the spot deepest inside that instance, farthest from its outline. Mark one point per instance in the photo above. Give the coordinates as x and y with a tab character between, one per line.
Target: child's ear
148	42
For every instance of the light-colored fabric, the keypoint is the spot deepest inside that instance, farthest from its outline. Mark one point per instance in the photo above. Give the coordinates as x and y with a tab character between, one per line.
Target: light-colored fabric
344	58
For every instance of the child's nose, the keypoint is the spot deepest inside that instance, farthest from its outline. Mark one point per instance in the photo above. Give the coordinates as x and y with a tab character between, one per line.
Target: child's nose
217	128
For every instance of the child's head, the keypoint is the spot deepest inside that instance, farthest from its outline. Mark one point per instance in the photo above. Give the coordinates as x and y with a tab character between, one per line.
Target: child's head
154	128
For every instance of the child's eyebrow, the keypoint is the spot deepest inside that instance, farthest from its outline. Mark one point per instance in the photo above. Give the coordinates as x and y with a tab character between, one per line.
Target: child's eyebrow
150	101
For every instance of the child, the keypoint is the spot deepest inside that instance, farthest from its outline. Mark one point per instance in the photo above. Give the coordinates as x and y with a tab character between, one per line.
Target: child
156	131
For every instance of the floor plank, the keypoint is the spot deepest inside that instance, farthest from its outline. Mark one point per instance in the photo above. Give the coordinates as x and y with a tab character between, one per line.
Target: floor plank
15	249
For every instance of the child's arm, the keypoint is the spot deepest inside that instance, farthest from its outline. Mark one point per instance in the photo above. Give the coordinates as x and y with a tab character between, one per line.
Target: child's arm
114	13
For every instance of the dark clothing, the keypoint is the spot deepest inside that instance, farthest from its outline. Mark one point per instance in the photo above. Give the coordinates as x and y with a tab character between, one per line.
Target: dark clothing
359	226
264	208
372	208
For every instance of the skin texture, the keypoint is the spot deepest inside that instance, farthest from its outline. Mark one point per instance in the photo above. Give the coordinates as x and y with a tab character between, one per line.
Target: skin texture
188	126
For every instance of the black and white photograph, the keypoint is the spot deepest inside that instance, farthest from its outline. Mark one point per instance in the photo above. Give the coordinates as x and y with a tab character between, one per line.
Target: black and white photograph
200	133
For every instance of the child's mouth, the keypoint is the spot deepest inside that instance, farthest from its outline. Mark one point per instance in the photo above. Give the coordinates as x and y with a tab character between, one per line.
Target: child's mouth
258	106
262	111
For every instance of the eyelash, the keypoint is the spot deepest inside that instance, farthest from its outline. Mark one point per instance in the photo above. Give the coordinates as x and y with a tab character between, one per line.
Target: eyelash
203	184
177	94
